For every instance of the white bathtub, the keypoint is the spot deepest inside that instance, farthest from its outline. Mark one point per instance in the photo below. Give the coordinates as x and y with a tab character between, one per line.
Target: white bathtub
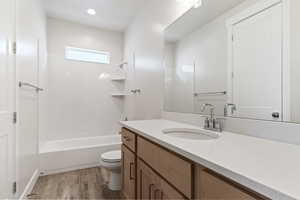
72	154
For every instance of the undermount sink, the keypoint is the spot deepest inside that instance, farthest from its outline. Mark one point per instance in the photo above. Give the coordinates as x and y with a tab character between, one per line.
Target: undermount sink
191	134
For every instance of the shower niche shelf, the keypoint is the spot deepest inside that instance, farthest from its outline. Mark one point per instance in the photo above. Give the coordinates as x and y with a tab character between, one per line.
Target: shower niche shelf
119	94
118	78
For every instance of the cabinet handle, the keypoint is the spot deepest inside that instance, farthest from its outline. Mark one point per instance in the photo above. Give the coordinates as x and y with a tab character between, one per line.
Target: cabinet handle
155	192
126	138
123	170
130	171
150	191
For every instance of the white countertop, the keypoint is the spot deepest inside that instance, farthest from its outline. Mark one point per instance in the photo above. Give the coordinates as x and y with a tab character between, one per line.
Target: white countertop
267	167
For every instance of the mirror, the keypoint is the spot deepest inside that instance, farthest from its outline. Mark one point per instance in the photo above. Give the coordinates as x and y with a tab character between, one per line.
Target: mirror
240	56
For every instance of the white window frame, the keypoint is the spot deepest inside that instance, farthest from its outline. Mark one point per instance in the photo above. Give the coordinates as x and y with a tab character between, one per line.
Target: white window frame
87	51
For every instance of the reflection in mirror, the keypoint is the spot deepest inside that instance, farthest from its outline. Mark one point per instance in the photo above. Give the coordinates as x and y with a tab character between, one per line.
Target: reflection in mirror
291	95
264	63
196	59
256	62
179	81
236	54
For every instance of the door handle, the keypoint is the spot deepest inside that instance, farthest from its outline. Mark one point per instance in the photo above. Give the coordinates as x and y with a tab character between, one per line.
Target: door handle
276	115
130	171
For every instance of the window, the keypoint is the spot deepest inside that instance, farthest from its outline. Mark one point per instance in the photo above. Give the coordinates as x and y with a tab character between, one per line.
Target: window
87	55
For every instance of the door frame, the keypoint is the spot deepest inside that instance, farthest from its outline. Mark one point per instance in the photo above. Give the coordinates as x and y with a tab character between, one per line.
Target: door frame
285	66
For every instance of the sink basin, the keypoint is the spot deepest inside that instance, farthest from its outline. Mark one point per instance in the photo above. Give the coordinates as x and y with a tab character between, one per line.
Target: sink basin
191	134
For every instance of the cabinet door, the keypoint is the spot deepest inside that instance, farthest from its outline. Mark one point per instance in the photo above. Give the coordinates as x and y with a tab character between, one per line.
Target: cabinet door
147	183
152	186
213	186
128	173
168	192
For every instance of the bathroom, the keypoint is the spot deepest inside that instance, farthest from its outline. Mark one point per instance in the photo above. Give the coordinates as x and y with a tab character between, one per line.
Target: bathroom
149	99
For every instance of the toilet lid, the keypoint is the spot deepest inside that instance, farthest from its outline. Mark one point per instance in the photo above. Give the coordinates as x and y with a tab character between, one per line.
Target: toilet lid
112	156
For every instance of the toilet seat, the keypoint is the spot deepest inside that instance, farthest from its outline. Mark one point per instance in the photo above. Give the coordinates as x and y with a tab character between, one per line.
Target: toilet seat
111	157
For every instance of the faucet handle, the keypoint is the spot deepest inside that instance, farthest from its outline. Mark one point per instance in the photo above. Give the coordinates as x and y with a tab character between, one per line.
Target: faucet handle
218	124
203	107
206	122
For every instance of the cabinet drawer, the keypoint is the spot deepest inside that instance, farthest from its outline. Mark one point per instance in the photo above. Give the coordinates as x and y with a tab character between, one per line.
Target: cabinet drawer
173	168
128	139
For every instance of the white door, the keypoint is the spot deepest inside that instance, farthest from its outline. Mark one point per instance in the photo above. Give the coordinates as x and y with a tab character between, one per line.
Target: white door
257	65
7	96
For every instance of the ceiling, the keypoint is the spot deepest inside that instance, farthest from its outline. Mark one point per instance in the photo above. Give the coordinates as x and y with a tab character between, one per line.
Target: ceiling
111	14
196	18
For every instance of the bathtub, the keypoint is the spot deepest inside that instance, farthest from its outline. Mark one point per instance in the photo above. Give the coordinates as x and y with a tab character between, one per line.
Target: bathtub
73	154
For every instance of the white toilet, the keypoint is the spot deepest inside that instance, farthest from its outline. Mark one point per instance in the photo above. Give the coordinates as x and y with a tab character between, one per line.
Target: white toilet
112	161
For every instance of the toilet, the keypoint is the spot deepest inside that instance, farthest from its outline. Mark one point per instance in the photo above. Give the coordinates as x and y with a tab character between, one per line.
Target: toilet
112	162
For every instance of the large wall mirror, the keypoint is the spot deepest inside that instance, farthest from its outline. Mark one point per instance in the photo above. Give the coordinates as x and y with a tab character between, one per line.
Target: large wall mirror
242	56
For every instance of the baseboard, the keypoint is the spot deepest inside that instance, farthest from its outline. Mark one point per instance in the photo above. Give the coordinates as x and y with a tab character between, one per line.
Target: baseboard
29	187
73	168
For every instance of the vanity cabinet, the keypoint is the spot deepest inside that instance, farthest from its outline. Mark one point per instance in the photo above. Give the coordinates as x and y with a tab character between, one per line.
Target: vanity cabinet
151	171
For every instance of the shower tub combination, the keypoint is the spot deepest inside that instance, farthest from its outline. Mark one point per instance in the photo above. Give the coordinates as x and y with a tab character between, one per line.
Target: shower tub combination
72	154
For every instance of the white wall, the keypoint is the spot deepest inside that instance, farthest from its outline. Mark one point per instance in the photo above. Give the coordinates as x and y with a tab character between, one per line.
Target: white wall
144	38
30	64
179	79
79	99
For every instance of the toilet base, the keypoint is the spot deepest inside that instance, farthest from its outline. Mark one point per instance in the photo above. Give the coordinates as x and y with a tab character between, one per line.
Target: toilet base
114	183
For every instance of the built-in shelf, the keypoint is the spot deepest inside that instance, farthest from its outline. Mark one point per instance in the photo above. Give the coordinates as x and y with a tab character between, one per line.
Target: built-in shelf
118	78
119	94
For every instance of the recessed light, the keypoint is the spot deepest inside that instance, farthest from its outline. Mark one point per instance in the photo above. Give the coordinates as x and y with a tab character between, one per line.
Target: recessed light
191	3
91	11
198	3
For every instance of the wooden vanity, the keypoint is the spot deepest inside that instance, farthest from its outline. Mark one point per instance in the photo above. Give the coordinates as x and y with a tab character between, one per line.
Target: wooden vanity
150	171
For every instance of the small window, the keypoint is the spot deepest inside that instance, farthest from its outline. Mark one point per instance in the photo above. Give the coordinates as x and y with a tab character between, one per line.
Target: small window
87	55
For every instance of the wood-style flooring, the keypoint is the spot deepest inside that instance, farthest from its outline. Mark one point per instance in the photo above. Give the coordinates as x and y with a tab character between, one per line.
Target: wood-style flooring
80	184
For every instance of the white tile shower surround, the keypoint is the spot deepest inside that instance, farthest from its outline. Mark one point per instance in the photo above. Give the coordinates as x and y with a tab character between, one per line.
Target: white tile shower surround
268	167
79	93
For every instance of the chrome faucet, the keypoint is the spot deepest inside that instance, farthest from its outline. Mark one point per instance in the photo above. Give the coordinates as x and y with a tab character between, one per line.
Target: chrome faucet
232	109
212	108
211	123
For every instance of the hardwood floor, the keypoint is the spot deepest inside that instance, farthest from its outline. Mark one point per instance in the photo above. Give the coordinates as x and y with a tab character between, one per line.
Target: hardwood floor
81	184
